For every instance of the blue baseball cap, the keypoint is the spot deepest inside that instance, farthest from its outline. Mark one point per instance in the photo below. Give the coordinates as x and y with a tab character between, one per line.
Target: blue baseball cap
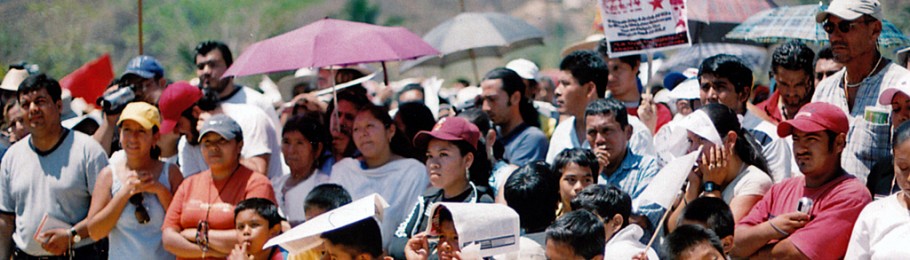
144	66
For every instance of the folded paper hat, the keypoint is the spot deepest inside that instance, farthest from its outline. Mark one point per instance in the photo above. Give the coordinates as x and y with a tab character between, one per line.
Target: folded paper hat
306	236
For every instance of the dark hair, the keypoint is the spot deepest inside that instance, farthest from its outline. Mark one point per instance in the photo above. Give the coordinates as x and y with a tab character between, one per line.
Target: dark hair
343	75
901	135
314	132
532	193
633	60
209	100
263	207
746	148
362	237
587	66
714	212
580	156
205	47
399	144
482	168
582	230
355	97
39	82
409	87
794	55
609	107
327	196
416	117
687	236
463	81
604	200
825	53
512	83
729	67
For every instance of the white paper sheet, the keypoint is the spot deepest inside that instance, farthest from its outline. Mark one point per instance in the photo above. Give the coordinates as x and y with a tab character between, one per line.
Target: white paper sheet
306	236
484	229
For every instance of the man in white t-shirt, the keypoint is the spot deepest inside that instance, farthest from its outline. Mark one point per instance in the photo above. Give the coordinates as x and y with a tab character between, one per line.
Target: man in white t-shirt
212	59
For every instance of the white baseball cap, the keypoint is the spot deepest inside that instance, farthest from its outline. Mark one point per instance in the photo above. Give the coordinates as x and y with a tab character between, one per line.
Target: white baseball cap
851	9
525	68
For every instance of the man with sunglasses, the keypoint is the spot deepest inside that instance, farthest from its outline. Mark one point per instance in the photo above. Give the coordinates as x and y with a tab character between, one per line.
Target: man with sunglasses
853	27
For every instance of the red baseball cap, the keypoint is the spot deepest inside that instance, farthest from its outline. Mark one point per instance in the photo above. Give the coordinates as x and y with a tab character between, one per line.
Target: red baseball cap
814	117
176	98
449	129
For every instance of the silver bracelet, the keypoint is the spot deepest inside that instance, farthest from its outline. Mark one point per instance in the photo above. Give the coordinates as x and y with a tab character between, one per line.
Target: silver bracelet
781	231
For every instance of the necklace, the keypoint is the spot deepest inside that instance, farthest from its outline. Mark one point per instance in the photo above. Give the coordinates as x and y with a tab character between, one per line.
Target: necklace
864	79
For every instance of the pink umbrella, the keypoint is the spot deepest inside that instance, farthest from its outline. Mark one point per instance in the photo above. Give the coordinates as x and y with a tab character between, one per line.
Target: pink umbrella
329	42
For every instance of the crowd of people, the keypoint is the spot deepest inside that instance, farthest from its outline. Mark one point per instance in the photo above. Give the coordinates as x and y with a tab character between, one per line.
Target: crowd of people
210	169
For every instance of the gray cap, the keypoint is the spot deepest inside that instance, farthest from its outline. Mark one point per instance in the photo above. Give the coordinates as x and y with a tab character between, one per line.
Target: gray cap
851	9
222	125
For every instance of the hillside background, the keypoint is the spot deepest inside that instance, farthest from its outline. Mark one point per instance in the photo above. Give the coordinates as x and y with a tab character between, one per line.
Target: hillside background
60	36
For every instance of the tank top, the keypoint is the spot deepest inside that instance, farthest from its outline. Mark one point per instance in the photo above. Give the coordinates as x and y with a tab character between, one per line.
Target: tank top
131	240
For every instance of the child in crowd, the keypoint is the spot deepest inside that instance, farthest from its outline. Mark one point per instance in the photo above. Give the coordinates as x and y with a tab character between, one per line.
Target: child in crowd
360	240
577	168
714	214
323	198
614	206
693	242
443	237
576	235
257	221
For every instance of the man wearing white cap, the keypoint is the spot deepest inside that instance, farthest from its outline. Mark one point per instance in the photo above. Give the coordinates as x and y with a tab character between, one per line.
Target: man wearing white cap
528	71
853	26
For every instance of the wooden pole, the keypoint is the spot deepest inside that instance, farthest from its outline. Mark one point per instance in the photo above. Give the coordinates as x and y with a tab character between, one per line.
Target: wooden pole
140	27
461	3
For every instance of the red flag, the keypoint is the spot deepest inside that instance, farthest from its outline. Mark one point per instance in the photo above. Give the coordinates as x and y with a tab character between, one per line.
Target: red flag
90	80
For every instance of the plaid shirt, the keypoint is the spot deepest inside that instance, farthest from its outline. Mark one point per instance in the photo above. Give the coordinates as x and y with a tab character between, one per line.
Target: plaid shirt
866	141
633	176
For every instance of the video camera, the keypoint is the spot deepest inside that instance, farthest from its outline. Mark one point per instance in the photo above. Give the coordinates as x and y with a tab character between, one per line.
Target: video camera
112	103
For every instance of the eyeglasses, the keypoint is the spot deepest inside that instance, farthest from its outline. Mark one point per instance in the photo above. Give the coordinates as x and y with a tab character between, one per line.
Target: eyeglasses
142	214
844	26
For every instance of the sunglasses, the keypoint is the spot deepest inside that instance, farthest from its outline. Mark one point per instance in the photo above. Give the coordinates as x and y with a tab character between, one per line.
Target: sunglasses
844	26
142	214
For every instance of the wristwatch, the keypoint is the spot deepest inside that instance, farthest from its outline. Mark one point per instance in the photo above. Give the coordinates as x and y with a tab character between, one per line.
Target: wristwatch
709	186
75	235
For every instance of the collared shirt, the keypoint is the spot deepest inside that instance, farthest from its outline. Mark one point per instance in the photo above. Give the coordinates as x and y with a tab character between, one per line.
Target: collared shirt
866	141
632	177
633	174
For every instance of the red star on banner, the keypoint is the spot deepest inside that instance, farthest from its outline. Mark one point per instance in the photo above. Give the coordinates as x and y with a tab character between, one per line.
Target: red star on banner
657	4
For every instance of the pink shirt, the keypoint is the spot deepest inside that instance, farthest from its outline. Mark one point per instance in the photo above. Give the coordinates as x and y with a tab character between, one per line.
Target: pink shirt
836	206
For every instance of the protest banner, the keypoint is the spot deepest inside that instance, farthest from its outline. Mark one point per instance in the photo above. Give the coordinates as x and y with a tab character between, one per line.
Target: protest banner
643	26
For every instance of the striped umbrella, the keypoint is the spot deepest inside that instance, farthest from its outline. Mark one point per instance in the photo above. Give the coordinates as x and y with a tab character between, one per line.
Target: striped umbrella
798	22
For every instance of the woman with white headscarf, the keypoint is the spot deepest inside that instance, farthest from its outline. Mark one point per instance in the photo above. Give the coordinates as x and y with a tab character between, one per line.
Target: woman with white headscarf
731	165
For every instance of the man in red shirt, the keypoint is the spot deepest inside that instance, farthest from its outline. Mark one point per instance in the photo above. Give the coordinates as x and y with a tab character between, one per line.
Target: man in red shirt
791	68
783	225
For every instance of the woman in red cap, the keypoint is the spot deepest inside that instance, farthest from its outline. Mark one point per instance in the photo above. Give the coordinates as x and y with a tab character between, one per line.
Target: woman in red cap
450	149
